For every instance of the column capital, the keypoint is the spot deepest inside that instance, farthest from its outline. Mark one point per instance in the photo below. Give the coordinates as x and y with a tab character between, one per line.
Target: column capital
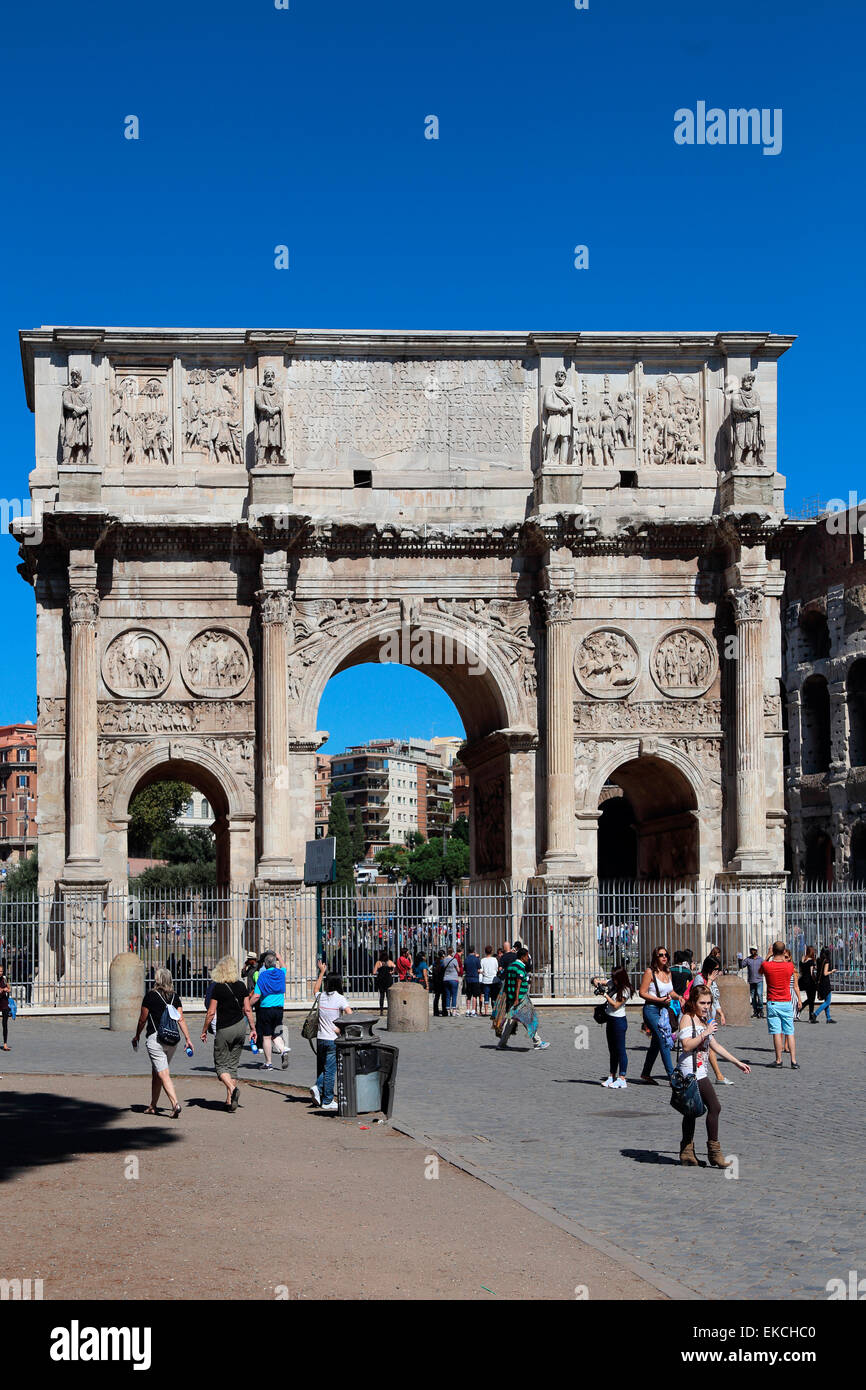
557	605
84	606
748	605
275	605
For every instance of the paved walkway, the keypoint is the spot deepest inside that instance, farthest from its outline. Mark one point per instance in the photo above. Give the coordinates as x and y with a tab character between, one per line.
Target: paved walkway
607	1160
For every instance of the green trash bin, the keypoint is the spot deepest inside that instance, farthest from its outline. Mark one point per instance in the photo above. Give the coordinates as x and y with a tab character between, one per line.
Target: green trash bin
366	1069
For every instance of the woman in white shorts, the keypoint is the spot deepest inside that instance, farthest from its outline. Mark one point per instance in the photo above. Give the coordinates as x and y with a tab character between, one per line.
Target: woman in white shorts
153	1006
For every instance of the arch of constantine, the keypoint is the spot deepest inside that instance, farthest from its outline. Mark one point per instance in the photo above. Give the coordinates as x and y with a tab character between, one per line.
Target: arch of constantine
575	534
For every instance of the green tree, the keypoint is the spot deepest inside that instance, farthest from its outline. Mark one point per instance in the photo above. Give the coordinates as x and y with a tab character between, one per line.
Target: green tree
181	846
338	826
414	838
425	862
456	861
170	878
153	811
460	829
359	843
22	881
392	861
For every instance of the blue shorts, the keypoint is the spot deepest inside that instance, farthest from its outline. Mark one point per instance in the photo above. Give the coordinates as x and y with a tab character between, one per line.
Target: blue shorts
780	1018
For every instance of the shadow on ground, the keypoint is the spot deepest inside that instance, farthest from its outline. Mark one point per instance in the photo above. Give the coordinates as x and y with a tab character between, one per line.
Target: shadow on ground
49	1128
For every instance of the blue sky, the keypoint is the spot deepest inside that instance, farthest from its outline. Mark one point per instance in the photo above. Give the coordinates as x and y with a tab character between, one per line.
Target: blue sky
305	127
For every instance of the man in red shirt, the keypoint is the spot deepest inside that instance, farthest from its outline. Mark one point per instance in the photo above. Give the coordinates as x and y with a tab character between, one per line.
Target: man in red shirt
779	974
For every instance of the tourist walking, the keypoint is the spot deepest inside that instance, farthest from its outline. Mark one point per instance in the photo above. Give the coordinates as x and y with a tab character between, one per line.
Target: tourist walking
404	965
682	971
709	975
162	1018
437	981
658	993
752	966
488	971
421	971
696	1039
779	973
332	1004
519	1007
269	1000
472	978
230	1007
5	1010
383	977
824	970
451	978
808	981
617	992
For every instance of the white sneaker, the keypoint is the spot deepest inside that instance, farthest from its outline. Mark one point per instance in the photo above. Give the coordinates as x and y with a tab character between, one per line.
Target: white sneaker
620	1084
725	1082
332	1106
608	1082
316	1094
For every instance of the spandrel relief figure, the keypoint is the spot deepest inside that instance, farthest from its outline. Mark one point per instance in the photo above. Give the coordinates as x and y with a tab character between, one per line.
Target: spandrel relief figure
607	435
559	408
270	422
623	420
76	430
747	430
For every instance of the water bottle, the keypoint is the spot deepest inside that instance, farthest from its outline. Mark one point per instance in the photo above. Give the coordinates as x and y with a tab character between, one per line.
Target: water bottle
188	1051
253	1047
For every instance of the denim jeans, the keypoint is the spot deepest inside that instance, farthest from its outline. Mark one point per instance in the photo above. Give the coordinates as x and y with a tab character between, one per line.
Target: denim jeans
616	1030
451	988
656	1020
326	1062
757	994
824	1004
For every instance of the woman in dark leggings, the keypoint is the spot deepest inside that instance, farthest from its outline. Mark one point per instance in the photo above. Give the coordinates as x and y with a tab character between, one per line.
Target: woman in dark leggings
383	977
809	979
4	1004
696	1038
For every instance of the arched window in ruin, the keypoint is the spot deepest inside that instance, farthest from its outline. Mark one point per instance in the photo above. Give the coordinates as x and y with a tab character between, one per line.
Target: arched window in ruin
815	636
857	713
818	866
857	868
815	725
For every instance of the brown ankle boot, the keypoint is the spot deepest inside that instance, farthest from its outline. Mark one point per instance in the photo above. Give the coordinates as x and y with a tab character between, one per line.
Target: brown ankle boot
688	1155
715	1155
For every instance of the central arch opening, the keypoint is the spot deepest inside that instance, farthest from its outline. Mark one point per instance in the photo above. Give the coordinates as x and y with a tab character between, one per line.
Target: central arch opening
647	825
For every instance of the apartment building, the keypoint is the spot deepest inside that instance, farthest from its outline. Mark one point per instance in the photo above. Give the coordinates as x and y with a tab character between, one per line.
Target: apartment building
400	785
18	820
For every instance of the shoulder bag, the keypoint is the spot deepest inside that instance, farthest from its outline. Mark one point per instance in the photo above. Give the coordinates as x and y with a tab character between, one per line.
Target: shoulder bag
310	1025
685	1094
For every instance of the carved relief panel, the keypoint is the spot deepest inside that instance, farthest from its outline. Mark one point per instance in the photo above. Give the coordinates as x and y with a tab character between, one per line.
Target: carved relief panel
141	417
604	421
136	664
606	664
216	664
683	663
672	419
212	428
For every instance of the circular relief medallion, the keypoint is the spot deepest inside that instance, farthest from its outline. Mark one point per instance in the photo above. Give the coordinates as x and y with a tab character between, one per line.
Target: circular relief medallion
216	663
606	664
136	664
683	663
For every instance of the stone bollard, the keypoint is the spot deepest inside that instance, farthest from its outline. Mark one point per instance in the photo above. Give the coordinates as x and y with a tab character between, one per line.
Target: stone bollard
735	1000
125	991
408	1009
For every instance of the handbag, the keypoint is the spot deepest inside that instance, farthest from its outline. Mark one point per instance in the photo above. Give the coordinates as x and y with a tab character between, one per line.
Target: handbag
599	1013
13	1007
310	1025
685	1095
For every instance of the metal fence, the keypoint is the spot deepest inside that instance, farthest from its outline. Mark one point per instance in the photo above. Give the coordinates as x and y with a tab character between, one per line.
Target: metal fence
58	949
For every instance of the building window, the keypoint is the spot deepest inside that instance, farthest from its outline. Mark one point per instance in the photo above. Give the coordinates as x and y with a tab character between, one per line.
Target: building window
205	810
23	755
2	803
815	727
4	755
23	780
2	829
22	827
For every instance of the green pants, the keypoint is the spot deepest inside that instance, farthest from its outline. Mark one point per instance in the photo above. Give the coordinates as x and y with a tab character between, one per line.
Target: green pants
228	1044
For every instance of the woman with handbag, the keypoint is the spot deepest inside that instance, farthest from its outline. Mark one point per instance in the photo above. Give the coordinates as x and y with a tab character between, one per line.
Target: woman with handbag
230	1006
162	1016
332	1003
808	981
696	1039
658	993
617	990
823	971
383	977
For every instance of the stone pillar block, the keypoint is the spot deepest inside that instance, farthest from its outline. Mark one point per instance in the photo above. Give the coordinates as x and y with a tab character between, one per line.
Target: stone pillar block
125	992
408	1009
735	1000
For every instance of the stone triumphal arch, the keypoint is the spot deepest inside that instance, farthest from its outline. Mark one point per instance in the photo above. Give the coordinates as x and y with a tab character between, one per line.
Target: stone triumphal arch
577	535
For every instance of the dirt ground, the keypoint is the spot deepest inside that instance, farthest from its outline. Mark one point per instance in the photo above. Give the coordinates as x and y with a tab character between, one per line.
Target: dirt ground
276	1201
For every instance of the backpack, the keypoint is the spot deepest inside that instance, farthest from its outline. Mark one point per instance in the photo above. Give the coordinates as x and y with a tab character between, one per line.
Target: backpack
167	1031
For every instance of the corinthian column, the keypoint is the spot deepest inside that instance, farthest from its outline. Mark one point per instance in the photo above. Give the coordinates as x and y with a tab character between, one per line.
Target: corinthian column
83	854
275	607
748	607
560	860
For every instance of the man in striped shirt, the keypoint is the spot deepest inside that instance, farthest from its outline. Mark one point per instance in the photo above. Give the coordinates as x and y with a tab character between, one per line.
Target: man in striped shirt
519	1006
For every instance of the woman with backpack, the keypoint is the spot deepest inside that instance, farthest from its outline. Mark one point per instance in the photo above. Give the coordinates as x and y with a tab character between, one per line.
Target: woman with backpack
383	977
162	1017
696	1040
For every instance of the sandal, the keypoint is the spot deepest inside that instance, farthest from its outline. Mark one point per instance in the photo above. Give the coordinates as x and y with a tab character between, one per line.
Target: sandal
175	1114
151	1110
236	1098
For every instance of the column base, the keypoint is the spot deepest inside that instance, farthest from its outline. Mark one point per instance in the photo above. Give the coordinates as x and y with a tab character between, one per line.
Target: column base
84	873
561	865
748	862
279	874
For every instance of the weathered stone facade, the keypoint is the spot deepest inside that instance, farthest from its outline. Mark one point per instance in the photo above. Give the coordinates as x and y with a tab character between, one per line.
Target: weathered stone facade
551	525
825	686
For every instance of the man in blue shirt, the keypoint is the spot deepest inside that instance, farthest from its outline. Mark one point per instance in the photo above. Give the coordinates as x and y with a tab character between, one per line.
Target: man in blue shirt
270	996
752	966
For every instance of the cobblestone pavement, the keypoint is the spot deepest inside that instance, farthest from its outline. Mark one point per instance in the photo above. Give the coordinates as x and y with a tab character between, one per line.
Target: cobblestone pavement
792	1218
